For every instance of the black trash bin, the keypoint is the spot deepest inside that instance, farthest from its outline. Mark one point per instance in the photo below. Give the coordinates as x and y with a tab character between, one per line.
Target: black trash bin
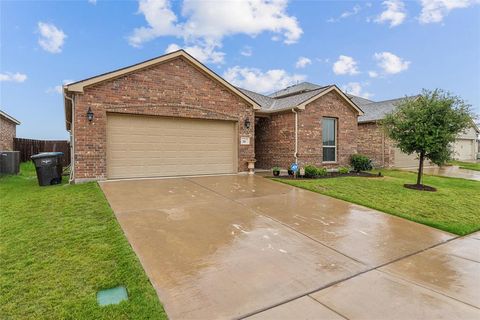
49	167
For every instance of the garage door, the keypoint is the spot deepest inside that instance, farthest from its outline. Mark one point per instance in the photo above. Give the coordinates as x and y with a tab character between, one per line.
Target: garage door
463	149
149	146
403	160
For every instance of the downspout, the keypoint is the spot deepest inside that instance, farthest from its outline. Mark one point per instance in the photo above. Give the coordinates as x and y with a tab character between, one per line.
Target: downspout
72	138
296	135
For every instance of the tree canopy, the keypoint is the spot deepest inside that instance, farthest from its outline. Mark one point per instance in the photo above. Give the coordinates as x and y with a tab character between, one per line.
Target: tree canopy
428	124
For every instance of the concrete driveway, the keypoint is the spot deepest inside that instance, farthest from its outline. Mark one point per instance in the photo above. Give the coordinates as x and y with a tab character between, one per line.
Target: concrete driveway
451	171
239	246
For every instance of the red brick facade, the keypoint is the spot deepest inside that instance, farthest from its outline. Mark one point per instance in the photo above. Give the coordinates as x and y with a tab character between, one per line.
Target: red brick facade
7	133
275	135
373	143
174	88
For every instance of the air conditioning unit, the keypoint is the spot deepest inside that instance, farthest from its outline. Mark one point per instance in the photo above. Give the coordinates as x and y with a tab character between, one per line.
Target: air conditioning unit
9	162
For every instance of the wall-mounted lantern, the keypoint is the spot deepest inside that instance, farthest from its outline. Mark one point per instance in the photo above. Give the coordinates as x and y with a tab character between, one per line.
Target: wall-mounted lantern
90	114
247	123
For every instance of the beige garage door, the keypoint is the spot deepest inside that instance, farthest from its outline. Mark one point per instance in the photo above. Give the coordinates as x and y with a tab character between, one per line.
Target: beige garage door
463	149
149	146
403	160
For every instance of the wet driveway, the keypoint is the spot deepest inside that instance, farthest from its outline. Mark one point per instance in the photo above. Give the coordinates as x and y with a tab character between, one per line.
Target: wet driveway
239	246
451	171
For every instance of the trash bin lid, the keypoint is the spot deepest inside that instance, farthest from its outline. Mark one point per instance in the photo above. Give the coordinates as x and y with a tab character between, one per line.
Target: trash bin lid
46	155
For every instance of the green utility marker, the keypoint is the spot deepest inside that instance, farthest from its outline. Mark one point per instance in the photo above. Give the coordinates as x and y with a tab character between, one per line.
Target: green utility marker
112	296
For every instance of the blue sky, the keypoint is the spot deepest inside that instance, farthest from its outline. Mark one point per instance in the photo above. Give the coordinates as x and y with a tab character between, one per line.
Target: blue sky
379	50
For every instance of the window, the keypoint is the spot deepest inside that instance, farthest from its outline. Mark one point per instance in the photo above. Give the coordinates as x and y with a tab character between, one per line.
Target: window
329	137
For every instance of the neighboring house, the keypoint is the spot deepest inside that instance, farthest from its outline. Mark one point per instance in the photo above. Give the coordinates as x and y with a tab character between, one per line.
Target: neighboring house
8	131
173	116
373	142
466	144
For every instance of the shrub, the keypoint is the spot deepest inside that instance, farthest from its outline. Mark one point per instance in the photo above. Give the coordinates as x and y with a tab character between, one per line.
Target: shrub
310	171
276	169
361	163
313	171
321	171
343	170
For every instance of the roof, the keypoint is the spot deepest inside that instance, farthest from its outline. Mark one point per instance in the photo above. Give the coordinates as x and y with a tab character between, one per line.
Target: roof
79	86
296	96
295	89
9	117
375	111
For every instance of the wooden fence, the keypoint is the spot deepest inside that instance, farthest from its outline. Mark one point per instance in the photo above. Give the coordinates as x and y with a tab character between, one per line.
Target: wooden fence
29	147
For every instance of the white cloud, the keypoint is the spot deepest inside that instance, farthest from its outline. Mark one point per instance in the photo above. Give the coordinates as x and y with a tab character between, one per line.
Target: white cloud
345	65
258	81
302	62
394	13
433	11
355	10
246	51
372	74
94	2
205	53
13	77
390	63
206	23
58	89
51	38
356	89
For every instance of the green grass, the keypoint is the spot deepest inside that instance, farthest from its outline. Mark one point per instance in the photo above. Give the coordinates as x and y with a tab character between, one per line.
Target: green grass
58	246
453	208
467	165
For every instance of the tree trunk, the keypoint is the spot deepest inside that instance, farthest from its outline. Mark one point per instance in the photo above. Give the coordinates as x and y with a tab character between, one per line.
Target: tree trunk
420	168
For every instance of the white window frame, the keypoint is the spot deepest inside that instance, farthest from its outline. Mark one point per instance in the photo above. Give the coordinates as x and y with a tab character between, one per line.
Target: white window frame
335	124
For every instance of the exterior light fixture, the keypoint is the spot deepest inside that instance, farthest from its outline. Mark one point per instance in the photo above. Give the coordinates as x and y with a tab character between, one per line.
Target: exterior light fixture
90	114
247	123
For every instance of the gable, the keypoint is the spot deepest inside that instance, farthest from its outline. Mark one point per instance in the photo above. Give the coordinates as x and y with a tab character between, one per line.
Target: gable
339	95
81	85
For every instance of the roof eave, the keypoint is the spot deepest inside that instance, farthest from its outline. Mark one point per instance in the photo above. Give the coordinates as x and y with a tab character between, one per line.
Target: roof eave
79	86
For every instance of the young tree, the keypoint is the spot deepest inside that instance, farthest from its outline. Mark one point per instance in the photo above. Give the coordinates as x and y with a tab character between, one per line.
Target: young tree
427	125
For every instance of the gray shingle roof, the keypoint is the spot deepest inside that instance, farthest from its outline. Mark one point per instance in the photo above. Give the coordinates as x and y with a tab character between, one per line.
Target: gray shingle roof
293	96
378	110
296	88
270	104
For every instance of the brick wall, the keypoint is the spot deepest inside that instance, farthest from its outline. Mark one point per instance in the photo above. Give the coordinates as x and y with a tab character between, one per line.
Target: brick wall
174	88
274	141
7	133
275	136
373	143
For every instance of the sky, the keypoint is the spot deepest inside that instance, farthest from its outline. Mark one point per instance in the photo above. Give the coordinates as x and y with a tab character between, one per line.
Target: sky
375	49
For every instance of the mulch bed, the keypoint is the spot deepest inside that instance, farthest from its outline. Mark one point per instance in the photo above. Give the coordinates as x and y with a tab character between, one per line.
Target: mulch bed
334	175
420	187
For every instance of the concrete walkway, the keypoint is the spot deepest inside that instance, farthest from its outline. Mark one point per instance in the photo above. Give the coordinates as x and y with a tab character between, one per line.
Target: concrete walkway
244	246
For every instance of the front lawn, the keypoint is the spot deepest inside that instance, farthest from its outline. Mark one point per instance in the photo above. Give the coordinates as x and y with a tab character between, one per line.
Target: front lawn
58	246
453	208
467	165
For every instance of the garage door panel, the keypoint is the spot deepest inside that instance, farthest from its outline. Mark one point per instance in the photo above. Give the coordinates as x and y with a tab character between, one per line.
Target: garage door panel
141	146
403	160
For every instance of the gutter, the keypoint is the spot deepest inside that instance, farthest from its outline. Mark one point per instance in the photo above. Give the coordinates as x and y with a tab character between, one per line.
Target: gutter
72	138
296	135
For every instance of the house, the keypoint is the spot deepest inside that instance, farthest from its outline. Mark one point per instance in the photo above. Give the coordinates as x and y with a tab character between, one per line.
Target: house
8	131
373	142
305	124
173	116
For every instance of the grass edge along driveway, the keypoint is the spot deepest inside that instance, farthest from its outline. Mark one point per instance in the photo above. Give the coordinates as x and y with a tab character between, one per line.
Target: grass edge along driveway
58	246
453	208
467	165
